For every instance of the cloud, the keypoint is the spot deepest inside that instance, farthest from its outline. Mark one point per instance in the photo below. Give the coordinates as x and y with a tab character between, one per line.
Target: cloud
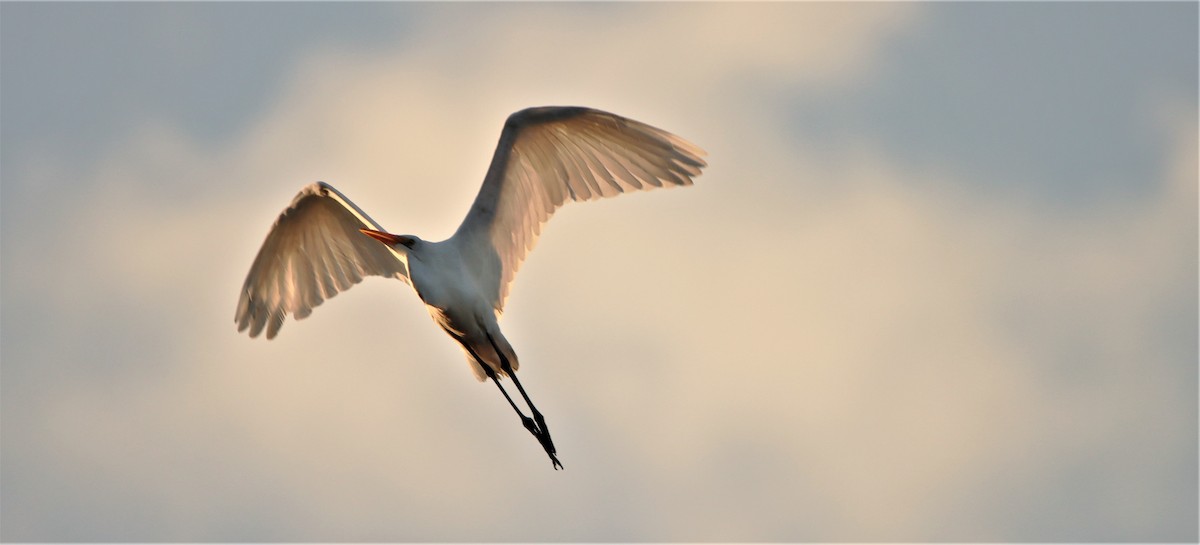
800	347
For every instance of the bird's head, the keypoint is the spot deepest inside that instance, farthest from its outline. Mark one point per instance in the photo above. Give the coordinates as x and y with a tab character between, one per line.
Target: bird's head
407	241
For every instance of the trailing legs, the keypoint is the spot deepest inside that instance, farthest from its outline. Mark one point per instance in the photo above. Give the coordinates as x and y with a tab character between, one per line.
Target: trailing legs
535	425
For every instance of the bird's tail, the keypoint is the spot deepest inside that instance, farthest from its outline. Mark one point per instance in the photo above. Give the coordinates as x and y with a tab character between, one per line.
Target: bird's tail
487	352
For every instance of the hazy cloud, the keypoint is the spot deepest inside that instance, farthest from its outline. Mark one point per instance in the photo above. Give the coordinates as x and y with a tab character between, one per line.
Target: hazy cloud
810	344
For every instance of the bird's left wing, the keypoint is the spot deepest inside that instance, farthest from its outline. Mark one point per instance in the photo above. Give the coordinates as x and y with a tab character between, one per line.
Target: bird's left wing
548	156
313	251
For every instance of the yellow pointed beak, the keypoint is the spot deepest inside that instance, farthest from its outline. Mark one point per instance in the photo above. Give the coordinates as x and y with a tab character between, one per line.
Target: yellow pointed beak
386	238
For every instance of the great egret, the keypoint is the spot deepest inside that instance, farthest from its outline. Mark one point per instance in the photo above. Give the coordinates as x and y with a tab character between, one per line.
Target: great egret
323	243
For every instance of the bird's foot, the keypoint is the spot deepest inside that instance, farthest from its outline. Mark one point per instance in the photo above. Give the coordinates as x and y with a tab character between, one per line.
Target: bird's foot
548	446
543	437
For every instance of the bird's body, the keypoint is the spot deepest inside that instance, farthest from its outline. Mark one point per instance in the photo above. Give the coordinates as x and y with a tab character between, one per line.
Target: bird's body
322	243
440	273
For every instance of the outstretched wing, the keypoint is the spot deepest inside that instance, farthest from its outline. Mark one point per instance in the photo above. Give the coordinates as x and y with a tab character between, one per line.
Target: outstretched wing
547	156
313	251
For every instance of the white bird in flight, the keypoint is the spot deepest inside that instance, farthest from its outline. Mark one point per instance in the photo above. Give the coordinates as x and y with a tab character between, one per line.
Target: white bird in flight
323	244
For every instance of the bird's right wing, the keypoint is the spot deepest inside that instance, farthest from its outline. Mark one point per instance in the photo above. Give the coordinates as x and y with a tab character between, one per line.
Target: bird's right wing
313	251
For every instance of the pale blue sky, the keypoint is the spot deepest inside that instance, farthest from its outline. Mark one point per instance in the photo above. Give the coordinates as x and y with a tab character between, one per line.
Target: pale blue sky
938	283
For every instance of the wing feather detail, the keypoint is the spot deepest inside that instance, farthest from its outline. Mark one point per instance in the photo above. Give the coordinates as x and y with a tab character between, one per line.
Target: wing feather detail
313	252
548	156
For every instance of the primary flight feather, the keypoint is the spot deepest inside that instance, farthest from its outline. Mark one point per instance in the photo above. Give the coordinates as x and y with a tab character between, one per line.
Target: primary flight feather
323	243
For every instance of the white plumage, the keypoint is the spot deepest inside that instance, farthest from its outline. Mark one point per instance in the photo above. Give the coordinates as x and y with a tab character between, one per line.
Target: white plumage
323	243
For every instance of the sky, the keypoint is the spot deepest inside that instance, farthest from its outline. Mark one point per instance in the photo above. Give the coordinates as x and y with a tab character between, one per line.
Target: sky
938	282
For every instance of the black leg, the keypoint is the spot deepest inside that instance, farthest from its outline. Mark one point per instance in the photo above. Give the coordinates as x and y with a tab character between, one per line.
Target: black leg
537	415
528	422
507	367
544	436
539	433
487	370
